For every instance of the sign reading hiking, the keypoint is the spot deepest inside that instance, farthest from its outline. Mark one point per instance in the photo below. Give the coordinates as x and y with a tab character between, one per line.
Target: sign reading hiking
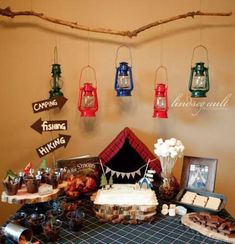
57	102
49	125
51	146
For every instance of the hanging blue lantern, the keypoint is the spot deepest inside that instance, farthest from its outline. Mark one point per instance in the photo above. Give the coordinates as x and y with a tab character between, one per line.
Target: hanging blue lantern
123	79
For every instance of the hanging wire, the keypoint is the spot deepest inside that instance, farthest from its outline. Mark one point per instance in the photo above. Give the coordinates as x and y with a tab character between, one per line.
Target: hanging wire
88	54
31	5
117	53
87	67
200	41
161	61
55	55
88	47
157	72
206	52
200	24
161	47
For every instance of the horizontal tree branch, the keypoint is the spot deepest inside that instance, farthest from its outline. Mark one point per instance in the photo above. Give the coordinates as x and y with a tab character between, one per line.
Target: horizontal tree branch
9	13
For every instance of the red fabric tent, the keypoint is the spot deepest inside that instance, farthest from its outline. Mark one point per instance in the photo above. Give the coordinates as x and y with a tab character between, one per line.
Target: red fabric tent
114	147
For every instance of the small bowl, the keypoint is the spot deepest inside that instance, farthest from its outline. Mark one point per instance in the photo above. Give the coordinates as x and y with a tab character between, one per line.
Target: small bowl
32	184
55	212
44	176
35	221
75	222
19	218
69	206
2	237
51	229
11	188
52	179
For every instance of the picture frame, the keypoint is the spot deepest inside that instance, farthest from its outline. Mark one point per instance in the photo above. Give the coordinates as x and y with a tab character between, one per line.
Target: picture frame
198	173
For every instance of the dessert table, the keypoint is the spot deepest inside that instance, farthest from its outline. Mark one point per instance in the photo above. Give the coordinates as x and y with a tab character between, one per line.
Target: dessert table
163	229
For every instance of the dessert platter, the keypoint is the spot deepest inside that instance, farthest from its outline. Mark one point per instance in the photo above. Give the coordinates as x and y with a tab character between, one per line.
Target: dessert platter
29	188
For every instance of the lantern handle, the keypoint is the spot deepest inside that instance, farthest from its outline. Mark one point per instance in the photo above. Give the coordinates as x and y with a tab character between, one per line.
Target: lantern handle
206	51
87	67
117	52
156	73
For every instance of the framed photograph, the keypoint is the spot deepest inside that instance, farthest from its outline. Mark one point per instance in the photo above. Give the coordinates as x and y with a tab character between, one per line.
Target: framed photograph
198	173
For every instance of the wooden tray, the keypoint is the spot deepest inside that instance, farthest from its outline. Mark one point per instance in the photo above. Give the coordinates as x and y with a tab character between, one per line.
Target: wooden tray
202	193
23	197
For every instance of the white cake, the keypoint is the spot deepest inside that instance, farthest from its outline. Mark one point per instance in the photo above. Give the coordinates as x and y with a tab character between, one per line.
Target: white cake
126	194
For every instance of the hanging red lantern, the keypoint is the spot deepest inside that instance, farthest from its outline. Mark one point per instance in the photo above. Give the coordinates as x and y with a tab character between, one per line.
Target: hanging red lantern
160	107
88	100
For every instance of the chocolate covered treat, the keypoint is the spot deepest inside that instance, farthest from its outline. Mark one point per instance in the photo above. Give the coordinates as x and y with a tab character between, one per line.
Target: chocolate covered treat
214	223
232	235
225	228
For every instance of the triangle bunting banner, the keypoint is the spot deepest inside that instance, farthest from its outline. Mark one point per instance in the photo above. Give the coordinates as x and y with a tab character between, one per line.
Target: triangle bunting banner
123	174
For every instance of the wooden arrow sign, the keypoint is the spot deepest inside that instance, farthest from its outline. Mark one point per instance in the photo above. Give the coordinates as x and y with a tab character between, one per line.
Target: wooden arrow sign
49	125
56	102
51	146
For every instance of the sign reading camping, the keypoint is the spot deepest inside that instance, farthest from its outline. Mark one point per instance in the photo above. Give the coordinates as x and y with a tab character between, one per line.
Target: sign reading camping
57	102
51	146
49	125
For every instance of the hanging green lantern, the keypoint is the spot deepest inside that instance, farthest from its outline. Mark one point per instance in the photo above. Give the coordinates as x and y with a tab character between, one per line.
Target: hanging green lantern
199	77
56	82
